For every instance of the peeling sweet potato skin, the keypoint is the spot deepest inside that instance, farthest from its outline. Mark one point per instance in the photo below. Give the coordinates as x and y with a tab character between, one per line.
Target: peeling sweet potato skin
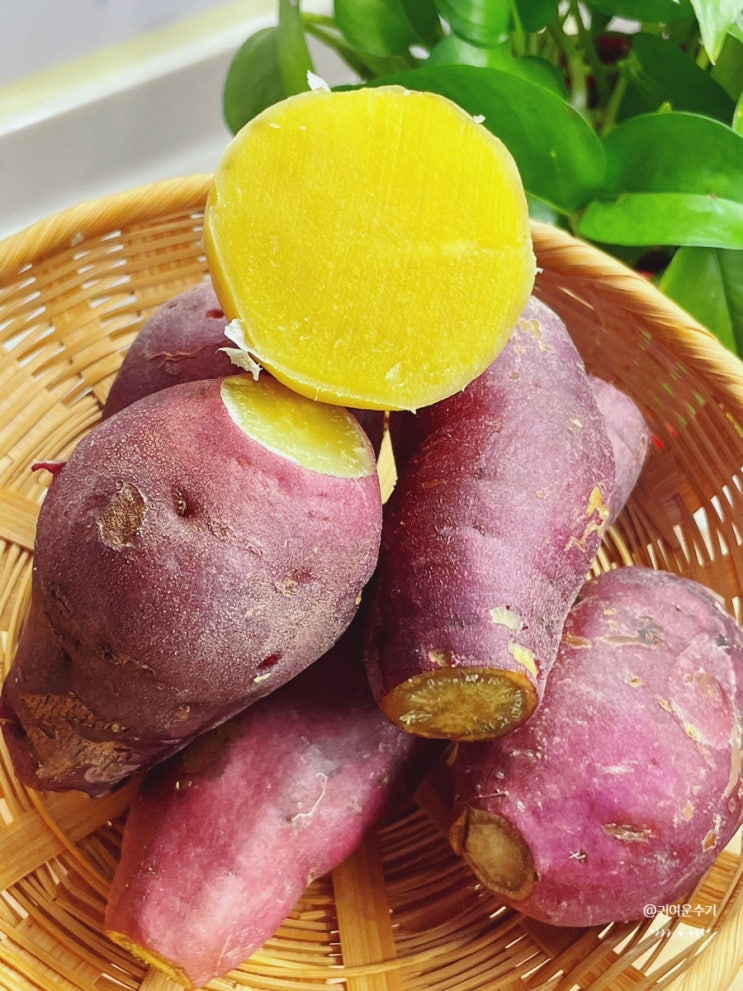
172	590
181	342
626	783
223	839
496	517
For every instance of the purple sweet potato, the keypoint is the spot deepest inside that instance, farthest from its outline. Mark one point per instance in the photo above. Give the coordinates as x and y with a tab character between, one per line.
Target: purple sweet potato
626	428
181	342
187	340
626	783
629	435
199	548
223	839
487	540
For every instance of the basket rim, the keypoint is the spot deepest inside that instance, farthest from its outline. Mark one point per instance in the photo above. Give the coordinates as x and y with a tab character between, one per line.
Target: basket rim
138	204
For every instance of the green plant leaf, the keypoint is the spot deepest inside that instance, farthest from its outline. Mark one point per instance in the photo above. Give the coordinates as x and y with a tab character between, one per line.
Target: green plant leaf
456	51
658	72
253	81
708	284
294	55
675	152
715	18
560	158
664	219
482	22
534	15
672	179
380	27
424	19
646	11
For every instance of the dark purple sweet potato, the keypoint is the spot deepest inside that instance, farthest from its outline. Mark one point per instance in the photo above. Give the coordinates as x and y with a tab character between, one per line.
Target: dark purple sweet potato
224	838
626	783
181	342
487	540
199	548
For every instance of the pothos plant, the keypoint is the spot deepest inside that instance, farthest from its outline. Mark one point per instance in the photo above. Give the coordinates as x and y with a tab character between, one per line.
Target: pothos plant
625	117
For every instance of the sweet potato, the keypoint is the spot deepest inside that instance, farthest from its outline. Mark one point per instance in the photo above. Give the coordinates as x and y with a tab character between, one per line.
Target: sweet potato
629	435
373	243
187	339
626	428
181	342
223	839
198	549
626	783
487	540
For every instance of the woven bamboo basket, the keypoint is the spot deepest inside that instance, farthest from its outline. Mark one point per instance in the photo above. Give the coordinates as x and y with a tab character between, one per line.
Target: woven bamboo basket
403	913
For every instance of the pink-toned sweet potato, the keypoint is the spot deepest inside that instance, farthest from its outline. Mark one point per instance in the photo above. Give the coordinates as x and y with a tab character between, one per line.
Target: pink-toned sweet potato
487	540
181	342
629	435
223	839
199	548
626	783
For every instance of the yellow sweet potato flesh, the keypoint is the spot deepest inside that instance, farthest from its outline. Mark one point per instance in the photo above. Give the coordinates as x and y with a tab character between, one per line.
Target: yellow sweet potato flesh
374	244
462	703
318	436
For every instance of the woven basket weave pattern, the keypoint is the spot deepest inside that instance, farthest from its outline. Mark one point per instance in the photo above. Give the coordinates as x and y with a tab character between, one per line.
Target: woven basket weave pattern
403	913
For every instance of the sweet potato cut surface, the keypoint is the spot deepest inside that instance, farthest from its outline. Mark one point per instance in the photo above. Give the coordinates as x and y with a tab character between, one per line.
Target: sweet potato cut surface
487	540
223	839
626	783
373	244
191	556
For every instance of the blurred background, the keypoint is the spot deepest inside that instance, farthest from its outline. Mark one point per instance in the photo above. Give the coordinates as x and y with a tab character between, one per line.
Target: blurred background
98	96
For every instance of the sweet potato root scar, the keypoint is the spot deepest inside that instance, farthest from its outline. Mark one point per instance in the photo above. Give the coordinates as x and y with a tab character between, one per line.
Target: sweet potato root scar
458	703
495	851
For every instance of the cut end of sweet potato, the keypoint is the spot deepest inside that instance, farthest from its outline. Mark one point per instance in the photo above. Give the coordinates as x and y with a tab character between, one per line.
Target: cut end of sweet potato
152	959
374	244
465	704
496	852
320	437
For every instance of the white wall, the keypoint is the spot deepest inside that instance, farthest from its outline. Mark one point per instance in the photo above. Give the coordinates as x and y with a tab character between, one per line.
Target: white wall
42	34
113	97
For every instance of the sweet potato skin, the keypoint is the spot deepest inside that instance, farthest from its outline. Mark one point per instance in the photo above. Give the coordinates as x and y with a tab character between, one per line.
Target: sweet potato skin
491	529
185	570
629	436
181	342
626	783
223	839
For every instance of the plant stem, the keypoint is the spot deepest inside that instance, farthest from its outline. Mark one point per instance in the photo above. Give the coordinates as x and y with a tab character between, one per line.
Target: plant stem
518	36
575	66
367	66
598	70
614	102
